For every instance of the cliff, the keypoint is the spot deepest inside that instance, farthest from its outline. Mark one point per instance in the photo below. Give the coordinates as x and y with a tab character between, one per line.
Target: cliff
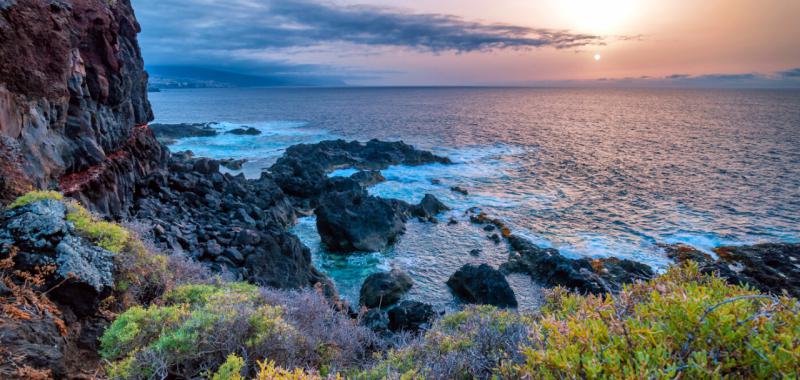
73	102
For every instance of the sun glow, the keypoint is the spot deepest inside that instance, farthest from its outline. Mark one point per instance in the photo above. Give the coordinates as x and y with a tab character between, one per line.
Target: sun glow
597	57
598	16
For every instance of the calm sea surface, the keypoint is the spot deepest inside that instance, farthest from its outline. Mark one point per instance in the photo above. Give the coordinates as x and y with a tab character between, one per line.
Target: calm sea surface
592	172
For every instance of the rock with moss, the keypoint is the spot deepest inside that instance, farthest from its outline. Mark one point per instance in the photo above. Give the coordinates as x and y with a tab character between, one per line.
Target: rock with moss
82	272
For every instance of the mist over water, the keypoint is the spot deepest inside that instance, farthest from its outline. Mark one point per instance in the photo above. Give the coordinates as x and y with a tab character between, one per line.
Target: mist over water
598	172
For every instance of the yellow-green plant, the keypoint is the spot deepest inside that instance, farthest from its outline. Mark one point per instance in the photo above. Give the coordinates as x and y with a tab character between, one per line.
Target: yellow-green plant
35	196
108	235
231	369
682	324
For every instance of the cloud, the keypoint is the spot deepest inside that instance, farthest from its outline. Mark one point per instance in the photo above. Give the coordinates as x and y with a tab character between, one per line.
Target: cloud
789	79
178	31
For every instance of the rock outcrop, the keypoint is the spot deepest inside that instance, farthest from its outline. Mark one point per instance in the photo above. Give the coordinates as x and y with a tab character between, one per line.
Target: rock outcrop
73	101
770	268
482	284
548	267
384	288
227	221
411	316
302	171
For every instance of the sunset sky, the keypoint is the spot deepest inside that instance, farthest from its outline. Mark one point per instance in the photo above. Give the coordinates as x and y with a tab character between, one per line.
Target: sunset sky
744	43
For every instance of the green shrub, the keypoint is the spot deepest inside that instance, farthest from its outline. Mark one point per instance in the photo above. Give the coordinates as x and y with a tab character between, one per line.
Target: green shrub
35	196
680	325
198	327
231	369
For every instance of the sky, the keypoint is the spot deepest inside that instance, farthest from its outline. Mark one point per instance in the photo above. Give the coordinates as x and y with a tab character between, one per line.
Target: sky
706	43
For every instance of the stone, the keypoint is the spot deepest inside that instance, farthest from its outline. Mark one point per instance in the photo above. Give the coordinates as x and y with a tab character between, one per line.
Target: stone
376	320
429	207
384	288
368	178
411	316
482	285
460	190
247	131
355	221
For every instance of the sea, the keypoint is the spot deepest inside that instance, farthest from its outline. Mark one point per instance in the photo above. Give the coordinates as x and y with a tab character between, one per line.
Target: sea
590	172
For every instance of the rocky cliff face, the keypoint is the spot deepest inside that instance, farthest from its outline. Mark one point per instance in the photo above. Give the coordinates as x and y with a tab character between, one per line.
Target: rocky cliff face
73	101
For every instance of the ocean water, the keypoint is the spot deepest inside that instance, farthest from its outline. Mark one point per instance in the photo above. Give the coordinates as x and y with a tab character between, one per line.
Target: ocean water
592	172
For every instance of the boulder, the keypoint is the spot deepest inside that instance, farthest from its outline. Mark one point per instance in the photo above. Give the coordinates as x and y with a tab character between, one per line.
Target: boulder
368	178
83	273
177	131
355	221
411	316
385	288
429	207
376	320
248	131
482	285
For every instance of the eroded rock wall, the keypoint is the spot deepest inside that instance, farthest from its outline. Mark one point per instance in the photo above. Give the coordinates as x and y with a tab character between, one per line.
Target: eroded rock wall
73	101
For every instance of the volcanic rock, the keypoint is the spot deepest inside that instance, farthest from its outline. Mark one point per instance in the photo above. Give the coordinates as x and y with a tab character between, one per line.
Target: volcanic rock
385	288
482	285
411	316
548	267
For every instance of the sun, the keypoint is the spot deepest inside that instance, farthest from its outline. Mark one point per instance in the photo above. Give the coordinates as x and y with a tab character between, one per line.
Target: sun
602	17
597	56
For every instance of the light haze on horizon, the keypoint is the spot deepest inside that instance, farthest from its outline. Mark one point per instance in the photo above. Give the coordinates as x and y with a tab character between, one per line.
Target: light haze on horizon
470	42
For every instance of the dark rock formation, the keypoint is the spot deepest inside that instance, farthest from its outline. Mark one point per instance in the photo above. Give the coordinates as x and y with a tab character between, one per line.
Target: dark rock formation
302	171
482	285
428	208
385	288
72	93
770	268
368	178
460	190
548	267
376	320
411	316
182	130
83	272
249	131
349	219
232	164
227	221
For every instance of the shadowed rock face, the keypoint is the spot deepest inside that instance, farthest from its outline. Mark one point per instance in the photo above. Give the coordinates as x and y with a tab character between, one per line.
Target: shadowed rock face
72	92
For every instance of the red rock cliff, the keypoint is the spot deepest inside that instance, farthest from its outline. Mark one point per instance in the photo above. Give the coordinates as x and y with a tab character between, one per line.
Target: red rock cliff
73	101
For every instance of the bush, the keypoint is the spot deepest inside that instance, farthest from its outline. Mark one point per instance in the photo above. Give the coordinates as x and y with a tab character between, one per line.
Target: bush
107	235
464	345
35	196
681	324
199	326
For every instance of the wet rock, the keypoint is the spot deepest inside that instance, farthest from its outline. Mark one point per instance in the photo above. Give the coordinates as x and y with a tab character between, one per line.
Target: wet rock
452	222
355	221
482	285
495	238
429	207
460	190
385	288
548	267
376	320
368	178
302	171
206	166
249	131
232	164
475	252
178	131
770	268
411	316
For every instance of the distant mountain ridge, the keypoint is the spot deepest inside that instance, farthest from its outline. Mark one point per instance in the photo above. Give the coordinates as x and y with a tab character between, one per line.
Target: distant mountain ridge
179	76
